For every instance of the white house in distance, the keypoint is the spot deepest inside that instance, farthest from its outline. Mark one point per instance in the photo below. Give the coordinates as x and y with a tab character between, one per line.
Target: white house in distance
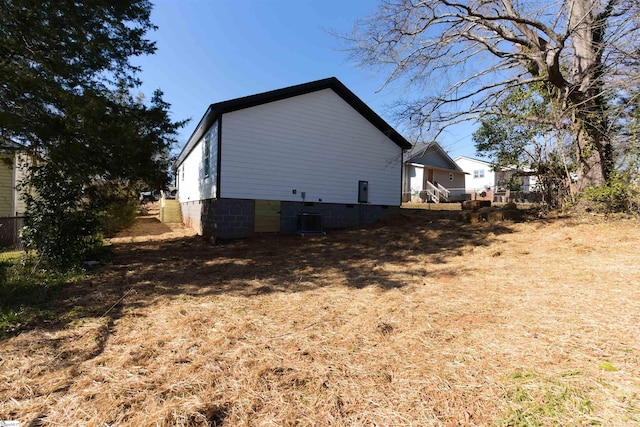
430	175
294	159
483	181
480	175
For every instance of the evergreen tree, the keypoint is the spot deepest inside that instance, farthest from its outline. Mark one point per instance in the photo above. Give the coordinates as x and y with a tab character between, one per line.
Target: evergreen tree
65	83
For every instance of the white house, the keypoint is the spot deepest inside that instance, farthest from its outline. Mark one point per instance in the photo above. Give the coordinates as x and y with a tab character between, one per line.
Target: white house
303	157
486	181
480	174
431	175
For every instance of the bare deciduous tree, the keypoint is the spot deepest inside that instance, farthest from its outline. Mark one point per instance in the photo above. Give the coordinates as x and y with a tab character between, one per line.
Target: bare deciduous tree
465	55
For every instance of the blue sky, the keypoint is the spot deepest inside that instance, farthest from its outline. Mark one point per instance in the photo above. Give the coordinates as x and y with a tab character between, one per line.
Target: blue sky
214	50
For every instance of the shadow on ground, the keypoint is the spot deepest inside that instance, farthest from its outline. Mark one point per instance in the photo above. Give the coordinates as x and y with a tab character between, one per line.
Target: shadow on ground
387	256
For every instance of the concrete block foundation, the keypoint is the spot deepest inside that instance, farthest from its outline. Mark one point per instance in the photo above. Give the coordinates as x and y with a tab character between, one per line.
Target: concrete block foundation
234	218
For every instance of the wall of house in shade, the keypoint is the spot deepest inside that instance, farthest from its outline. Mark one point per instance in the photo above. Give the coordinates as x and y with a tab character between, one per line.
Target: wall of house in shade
196	177
234	218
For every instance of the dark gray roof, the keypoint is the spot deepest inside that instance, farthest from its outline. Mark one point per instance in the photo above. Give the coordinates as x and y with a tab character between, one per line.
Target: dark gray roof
433	155
216	110
8	144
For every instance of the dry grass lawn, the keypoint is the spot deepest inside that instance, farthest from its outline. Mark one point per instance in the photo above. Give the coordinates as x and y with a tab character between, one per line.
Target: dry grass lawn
423	321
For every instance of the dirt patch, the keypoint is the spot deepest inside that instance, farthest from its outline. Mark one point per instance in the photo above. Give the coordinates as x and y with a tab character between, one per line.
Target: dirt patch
422	321
149	228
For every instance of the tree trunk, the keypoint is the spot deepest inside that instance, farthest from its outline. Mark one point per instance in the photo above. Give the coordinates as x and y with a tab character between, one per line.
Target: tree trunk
594	154
594	159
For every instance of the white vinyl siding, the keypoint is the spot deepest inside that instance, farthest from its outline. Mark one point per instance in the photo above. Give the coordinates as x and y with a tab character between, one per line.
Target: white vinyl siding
316	144
475	182
194	183
416	176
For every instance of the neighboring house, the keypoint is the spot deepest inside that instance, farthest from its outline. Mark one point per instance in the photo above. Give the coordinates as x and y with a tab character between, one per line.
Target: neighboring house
480	178
430	175
486	181
294	159
12	171
13	163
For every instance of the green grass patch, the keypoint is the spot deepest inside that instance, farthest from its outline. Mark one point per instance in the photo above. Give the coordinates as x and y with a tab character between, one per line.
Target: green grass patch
606	366
10	257
534	400
27	292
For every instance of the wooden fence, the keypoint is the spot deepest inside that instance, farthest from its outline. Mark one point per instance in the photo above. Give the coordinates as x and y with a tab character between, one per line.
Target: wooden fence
10	231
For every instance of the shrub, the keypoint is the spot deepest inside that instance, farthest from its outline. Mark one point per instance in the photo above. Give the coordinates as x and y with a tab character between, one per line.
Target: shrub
68	217
116	206
620	194
59	228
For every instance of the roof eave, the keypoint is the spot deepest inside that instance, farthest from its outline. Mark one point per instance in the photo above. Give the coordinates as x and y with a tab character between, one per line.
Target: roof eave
435	145
210	116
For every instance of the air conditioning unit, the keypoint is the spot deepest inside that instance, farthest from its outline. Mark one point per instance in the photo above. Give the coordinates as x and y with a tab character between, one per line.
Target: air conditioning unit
309	224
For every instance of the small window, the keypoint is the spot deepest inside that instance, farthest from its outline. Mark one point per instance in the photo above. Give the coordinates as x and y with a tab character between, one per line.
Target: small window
207	157
478	173
210	152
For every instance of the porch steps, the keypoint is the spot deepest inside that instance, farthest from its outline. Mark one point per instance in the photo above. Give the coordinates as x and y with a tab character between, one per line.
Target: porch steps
170	211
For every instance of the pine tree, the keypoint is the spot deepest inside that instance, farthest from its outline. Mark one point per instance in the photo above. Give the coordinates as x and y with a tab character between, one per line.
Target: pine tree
65	93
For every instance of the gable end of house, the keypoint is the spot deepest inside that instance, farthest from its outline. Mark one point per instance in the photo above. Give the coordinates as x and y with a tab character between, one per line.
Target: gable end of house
215	111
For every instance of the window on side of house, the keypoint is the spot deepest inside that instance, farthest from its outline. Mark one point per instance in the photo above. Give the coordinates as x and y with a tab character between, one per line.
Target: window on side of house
207	156
479	173
210	154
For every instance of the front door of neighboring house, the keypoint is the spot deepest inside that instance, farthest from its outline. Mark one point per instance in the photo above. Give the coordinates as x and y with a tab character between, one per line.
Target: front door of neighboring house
428	177
267	216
